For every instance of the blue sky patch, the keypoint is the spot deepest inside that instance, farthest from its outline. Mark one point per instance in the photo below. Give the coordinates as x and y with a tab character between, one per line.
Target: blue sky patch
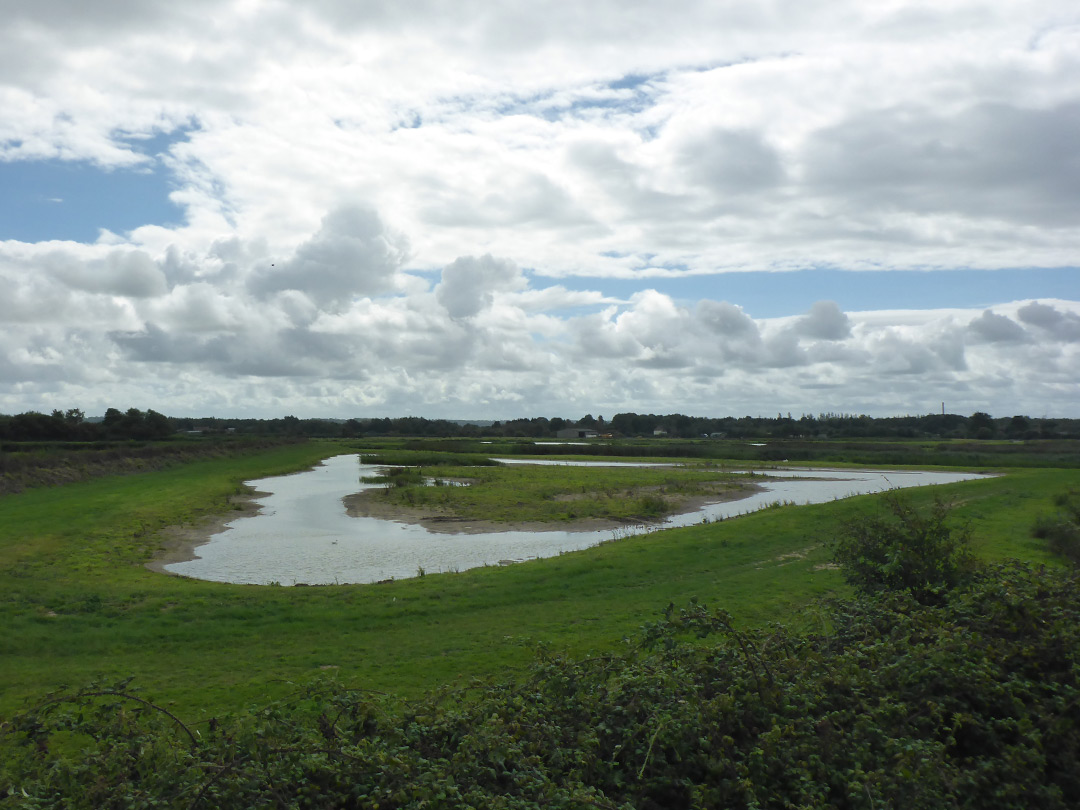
631	81
774	295
42	200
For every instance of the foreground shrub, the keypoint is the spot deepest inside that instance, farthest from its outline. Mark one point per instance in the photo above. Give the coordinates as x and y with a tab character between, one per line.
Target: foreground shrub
970	703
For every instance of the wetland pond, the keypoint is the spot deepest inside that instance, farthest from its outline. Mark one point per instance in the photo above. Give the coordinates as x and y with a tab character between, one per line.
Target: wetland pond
304	536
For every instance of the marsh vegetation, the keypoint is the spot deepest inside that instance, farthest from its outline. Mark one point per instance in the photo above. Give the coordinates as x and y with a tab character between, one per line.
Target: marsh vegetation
529	494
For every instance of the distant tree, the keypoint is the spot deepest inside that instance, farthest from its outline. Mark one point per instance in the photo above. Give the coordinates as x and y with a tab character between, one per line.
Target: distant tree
132	424
981	426
1017	427
34	426
156	425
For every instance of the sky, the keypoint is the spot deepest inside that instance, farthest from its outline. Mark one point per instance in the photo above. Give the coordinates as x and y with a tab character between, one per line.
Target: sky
472	209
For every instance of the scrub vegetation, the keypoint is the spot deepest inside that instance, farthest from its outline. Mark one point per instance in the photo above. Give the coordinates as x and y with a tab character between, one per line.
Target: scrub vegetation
1061	528
906	549
519	681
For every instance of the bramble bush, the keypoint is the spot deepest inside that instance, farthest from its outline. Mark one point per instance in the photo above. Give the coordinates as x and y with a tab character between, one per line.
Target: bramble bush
969	701
906	549
1062	530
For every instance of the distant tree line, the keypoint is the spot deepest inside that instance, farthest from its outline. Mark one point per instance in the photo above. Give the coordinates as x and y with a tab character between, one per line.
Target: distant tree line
823	426
832	425
133	424
73	426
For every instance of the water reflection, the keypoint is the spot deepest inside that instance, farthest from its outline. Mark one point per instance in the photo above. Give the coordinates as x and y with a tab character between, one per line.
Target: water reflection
303	534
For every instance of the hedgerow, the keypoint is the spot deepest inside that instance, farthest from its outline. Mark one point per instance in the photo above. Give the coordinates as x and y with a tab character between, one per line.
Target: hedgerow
970	701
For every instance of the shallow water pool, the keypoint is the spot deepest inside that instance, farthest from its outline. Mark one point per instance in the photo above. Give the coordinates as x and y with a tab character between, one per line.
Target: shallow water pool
304	536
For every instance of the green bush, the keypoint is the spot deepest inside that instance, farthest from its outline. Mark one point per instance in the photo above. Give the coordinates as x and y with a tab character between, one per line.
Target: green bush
652	506
905	550
1062	530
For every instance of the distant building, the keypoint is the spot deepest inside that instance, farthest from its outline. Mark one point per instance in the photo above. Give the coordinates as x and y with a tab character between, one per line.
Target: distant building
659	432
576	433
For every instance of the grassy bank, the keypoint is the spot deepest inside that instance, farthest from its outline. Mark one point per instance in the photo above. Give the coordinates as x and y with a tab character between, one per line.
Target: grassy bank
78	604
43	464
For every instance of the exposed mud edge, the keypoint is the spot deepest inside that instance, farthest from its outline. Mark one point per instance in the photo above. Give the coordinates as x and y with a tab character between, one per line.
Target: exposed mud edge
178	543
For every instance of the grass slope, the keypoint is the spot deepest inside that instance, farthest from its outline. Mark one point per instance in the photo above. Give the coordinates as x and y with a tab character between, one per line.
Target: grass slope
77	603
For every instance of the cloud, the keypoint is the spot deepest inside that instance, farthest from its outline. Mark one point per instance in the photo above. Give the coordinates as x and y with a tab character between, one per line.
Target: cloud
649	332
1062	325
898	352
824	321
557	297
507	198
496	343
469	284
154	345
782	350
994	328
598	336
291	353
731	162
726	319
352	254
728	334
533	154
996	160
123	272
715	138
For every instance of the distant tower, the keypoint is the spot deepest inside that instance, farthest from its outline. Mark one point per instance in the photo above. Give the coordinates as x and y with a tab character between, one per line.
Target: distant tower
942	408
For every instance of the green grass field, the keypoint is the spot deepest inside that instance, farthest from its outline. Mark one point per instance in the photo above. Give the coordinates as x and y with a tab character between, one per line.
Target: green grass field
78	604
